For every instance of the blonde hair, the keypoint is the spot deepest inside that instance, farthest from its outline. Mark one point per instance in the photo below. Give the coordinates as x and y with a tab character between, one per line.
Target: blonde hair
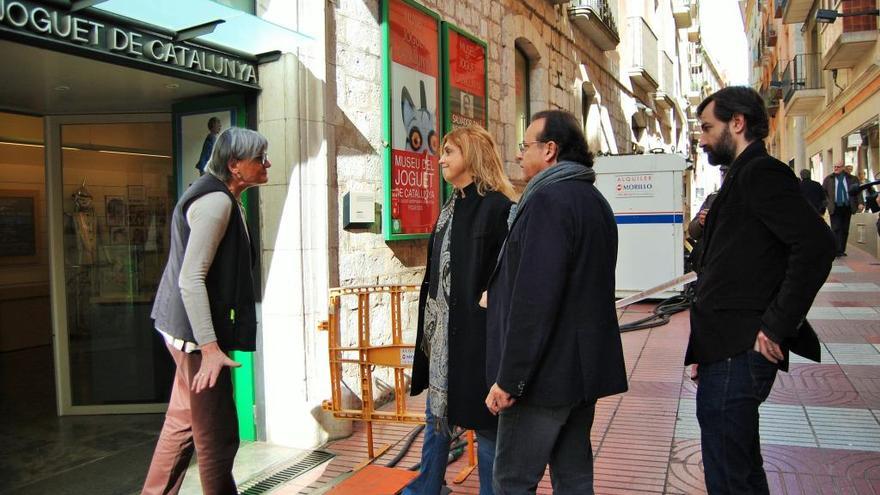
481	156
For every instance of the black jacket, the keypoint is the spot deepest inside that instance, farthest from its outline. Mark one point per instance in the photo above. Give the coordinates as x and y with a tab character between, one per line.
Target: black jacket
479	225
553	337
815	194
766	253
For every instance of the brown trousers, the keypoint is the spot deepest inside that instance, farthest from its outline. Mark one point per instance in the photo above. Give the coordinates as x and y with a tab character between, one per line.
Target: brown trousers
205	422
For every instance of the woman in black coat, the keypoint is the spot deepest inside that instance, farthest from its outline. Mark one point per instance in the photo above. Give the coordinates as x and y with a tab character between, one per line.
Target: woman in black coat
450	355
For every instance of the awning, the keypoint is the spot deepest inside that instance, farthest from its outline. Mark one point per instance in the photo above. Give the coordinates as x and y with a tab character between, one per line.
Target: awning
193	20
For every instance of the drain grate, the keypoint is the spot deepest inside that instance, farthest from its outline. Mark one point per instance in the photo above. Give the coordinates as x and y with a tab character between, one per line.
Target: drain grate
265	482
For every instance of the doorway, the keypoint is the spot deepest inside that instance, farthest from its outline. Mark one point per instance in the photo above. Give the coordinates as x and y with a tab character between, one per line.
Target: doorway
111	185
75	335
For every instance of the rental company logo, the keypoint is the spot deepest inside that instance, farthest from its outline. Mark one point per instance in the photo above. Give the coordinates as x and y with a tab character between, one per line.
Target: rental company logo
634	186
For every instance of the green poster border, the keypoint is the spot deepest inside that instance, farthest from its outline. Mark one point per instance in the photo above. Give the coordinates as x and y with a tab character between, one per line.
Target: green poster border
243	377
447	109
446	85
387	113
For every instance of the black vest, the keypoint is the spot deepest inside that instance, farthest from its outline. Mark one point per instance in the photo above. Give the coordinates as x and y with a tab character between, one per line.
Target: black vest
229	281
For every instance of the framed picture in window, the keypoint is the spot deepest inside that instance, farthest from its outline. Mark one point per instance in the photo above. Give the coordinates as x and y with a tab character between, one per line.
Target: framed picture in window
137	194
116	209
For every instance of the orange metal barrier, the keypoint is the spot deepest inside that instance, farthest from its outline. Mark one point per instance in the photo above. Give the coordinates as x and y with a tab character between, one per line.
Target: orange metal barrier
396	355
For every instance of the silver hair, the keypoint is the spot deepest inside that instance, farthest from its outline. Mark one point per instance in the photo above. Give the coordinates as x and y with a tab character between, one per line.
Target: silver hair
235	143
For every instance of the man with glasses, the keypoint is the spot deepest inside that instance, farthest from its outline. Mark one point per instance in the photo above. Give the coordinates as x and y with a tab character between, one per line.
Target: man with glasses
841	204
553	344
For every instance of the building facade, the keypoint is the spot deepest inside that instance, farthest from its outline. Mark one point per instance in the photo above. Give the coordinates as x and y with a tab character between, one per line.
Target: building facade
817	66
103	137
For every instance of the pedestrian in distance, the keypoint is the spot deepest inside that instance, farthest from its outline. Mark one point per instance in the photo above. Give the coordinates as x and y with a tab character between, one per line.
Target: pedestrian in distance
813	191
841	204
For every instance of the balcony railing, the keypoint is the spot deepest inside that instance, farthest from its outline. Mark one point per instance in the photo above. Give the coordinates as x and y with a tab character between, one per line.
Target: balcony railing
643	70
595	19
802	84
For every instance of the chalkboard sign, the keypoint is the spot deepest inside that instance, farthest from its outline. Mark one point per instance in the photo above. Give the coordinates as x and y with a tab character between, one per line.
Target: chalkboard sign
17	227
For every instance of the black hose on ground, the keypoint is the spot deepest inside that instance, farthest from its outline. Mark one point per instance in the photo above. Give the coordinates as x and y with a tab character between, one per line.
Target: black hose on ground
406	445
660	315
456	449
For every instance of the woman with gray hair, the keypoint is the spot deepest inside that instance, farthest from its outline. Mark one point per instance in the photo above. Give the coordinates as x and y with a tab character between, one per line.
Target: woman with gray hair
204	309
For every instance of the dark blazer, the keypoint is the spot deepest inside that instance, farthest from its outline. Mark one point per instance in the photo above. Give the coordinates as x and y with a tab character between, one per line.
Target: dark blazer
479	225
766	253
815	194
552	332
830	186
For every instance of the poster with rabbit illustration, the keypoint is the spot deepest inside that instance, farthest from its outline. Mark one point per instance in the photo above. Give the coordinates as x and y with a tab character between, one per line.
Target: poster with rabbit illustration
412	178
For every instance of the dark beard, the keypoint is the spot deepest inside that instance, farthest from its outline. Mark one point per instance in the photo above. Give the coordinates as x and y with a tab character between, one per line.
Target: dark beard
722	153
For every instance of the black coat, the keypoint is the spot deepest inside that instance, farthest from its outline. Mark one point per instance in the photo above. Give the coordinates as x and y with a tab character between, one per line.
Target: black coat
815	194
553	337
479	225
766	253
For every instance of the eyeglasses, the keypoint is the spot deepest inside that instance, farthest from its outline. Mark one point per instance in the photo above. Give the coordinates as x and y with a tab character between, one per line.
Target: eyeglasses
263	158
523	146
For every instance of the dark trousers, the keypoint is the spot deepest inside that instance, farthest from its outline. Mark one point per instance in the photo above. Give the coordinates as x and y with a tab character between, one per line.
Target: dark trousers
530	437
205	422
728	396
840	226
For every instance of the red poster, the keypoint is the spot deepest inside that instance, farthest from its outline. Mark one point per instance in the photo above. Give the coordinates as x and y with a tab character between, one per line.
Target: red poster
415	133
467	81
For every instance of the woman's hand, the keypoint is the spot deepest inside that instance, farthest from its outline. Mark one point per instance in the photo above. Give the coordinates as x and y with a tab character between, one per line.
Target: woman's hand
213	361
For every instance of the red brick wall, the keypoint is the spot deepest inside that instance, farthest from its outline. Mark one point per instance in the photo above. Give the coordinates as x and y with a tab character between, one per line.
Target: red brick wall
861	22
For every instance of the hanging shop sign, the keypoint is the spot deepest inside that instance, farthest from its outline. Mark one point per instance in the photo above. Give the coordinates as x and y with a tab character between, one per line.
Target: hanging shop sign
22	18
412	130
465	80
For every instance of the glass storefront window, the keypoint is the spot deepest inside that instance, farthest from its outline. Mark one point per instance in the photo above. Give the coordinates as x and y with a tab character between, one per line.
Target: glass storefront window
24	259
118	194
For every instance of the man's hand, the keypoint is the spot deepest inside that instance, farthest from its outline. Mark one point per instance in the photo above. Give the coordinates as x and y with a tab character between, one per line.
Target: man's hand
768	348
484	299
498	400
695	372
701	217
861	208
213	361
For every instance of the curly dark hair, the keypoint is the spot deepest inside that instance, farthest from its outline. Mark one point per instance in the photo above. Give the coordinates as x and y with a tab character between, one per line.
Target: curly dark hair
563	128
741	100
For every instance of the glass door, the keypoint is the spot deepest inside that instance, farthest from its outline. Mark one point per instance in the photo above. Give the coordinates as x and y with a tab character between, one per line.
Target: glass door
112	186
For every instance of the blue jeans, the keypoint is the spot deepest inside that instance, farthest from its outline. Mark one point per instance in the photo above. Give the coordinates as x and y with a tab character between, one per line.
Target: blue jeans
530	437
435	452
728	396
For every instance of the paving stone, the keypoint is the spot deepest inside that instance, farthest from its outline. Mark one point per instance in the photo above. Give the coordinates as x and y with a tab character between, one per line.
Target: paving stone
866	354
